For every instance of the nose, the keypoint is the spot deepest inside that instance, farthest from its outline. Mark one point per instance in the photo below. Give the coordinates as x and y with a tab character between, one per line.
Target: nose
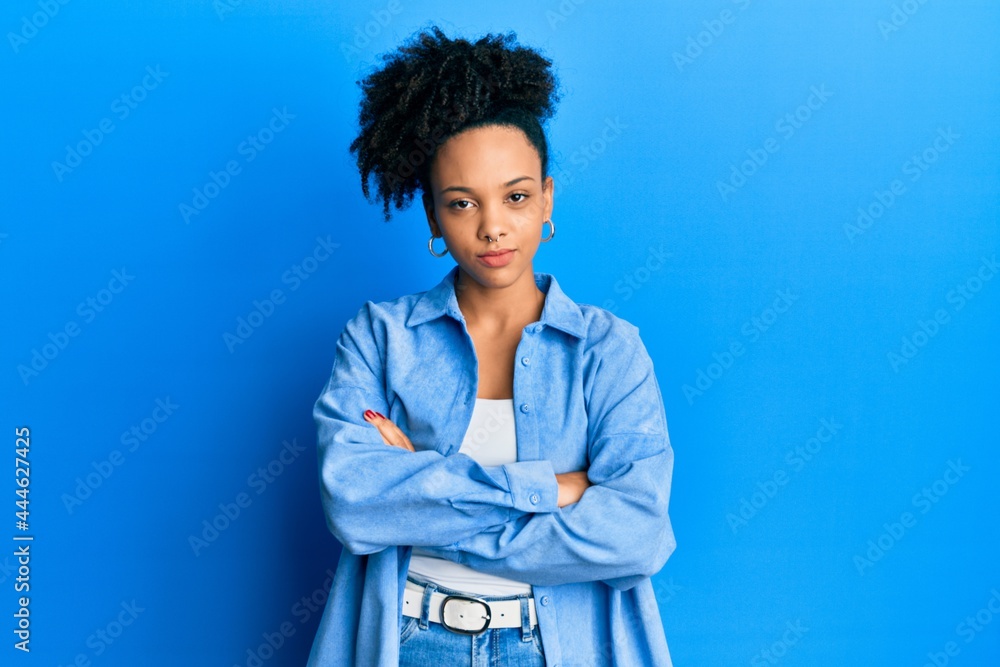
492	225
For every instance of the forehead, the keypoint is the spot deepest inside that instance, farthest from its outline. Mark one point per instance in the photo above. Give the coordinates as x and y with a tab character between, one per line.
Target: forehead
489	153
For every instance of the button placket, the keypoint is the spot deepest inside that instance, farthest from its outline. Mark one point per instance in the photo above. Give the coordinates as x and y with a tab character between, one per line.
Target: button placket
526	430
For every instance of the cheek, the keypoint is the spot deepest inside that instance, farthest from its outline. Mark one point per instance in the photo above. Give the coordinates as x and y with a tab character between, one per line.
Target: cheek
527	220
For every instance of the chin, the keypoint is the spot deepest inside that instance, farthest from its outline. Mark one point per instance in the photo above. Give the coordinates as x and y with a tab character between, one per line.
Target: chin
501	277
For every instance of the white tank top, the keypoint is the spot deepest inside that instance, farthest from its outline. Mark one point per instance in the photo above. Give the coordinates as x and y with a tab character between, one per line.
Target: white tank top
492	441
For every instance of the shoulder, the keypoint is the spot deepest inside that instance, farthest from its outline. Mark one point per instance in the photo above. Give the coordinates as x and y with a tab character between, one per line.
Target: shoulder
607	333
382	319
374	316
595	327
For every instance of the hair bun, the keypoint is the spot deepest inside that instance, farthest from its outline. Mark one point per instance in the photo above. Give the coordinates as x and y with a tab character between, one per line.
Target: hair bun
432	87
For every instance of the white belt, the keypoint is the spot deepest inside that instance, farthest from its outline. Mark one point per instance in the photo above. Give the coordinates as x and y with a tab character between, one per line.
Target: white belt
466	613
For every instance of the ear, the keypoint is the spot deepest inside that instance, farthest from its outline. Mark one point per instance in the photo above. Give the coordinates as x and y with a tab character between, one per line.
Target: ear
428	202
548	195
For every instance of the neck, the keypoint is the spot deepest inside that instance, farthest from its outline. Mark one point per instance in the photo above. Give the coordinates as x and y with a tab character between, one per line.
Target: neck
498	308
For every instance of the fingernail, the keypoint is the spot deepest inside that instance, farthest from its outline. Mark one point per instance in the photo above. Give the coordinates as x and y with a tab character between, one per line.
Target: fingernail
380	415
369	414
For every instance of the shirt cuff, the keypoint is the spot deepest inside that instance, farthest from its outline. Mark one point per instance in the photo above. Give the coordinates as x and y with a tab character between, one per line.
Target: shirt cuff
533	486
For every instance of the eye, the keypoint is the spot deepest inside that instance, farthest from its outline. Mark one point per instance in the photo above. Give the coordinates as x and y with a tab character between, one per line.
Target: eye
522	195
455	204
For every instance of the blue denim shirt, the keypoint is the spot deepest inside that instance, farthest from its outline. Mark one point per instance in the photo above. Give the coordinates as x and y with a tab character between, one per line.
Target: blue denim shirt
585	397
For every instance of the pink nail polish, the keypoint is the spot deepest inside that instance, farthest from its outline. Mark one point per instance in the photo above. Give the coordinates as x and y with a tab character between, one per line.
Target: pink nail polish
369	414
380	415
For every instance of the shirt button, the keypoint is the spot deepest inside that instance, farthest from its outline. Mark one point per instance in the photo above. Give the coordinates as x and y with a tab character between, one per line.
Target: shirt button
534	498
525	361
538	327
545	600
524	407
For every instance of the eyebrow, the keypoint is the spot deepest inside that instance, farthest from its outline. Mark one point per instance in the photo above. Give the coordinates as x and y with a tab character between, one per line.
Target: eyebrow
459	188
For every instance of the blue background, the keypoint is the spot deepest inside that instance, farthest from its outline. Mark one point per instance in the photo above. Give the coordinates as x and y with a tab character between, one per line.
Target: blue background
693	91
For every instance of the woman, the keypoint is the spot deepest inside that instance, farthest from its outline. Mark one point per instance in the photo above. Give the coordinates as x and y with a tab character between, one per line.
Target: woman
493	456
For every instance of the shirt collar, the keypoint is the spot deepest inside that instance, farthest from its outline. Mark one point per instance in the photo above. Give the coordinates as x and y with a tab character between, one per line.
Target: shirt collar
559	310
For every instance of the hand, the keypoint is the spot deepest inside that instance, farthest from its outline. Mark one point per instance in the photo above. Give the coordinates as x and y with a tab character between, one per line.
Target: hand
571	487
390	433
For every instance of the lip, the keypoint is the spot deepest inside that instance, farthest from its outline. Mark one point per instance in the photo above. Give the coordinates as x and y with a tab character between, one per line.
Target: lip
497	258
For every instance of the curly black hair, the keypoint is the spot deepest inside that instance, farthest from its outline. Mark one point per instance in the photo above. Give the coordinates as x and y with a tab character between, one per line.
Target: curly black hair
434	87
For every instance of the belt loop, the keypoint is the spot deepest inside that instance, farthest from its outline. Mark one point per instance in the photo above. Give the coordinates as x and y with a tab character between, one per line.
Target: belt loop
525	618
425	605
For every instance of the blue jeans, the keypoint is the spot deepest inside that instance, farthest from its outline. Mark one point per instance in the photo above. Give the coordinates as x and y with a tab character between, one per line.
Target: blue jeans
423	642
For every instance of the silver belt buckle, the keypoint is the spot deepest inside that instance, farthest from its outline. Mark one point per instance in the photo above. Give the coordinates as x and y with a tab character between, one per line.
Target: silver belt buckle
459	611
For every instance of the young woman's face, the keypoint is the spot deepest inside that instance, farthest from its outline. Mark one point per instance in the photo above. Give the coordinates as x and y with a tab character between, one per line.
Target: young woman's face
487	184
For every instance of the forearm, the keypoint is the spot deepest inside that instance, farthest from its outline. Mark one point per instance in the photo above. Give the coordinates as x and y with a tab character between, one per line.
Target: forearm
380	497
618	532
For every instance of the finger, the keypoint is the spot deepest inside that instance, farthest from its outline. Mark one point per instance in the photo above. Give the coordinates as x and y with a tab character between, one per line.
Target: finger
383	425
390	433
373	419
395	435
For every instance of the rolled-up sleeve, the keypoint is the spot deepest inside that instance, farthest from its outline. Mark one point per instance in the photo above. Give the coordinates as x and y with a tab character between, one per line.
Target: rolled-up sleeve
375	495
619	532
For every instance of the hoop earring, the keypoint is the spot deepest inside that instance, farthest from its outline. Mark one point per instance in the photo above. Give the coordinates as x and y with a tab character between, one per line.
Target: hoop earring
430	246
549	237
